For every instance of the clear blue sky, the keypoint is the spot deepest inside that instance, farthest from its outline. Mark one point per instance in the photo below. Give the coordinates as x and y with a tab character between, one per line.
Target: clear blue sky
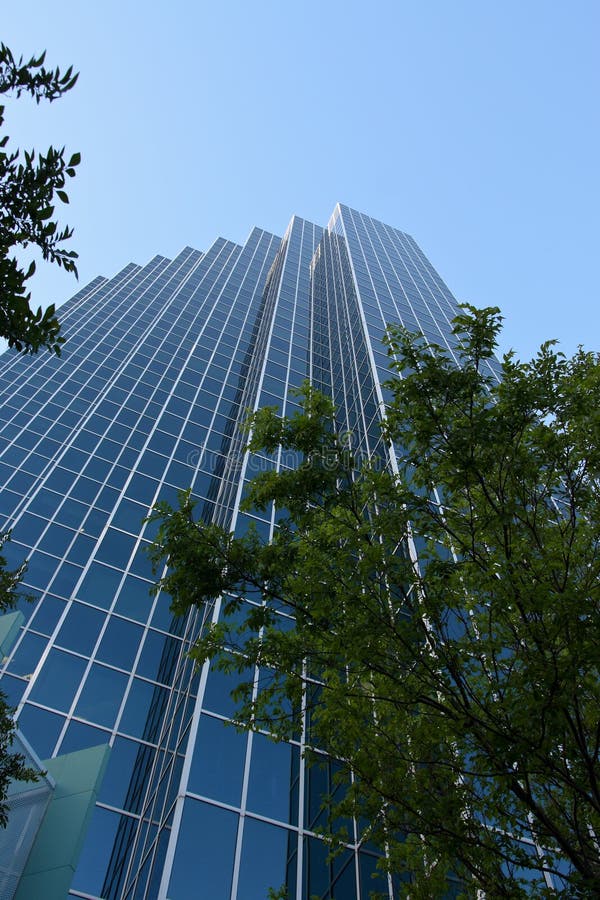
472	125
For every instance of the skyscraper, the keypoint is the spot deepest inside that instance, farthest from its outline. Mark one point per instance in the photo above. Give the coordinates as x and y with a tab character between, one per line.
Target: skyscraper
161	365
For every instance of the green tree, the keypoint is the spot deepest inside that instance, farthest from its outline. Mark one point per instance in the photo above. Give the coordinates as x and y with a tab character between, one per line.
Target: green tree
444	643
28	186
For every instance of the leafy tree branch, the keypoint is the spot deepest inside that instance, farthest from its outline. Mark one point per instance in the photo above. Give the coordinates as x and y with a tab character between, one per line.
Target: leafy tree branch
436	632
29	183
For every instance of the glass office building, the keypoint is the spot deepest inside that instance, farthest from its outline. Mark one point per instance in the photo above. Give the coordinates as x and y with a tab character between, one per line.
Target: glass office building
160	366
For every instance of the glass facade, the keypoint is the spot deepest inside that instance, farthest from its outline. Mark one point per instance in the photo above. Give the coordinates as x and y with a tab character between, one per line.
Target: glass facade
160	367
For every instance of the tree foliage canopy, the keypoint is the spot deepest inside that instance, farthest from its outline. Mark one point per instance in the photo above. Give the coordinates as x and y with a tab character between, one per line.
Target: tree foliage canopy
444	619
28	186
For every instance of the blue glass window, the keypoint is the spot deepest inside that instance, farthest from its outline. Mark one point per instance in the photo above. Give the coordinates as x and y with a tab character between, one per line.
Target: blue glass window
126	774
134	599
71	513
273	785
57	539
372	878
14	554
65	579
217	696
218	760
158	657
81	628
93	862
56	684
107	498
153	464
80	736
205	862
95	522
85	489
13	689
317	874
40	569
140	564
162	616
145	706
117	476
60	480
115	548
142	489
263	863
46	614
129	515
27	655
99	585
97	469
29	529
101	696
120	643
41	728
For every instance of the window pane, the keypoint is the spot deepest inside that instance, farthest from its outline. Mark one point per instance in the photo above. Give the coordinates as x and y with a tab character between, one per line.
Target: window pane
273	787
217	766
204	851
58	680
81	628
264	856
101	696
